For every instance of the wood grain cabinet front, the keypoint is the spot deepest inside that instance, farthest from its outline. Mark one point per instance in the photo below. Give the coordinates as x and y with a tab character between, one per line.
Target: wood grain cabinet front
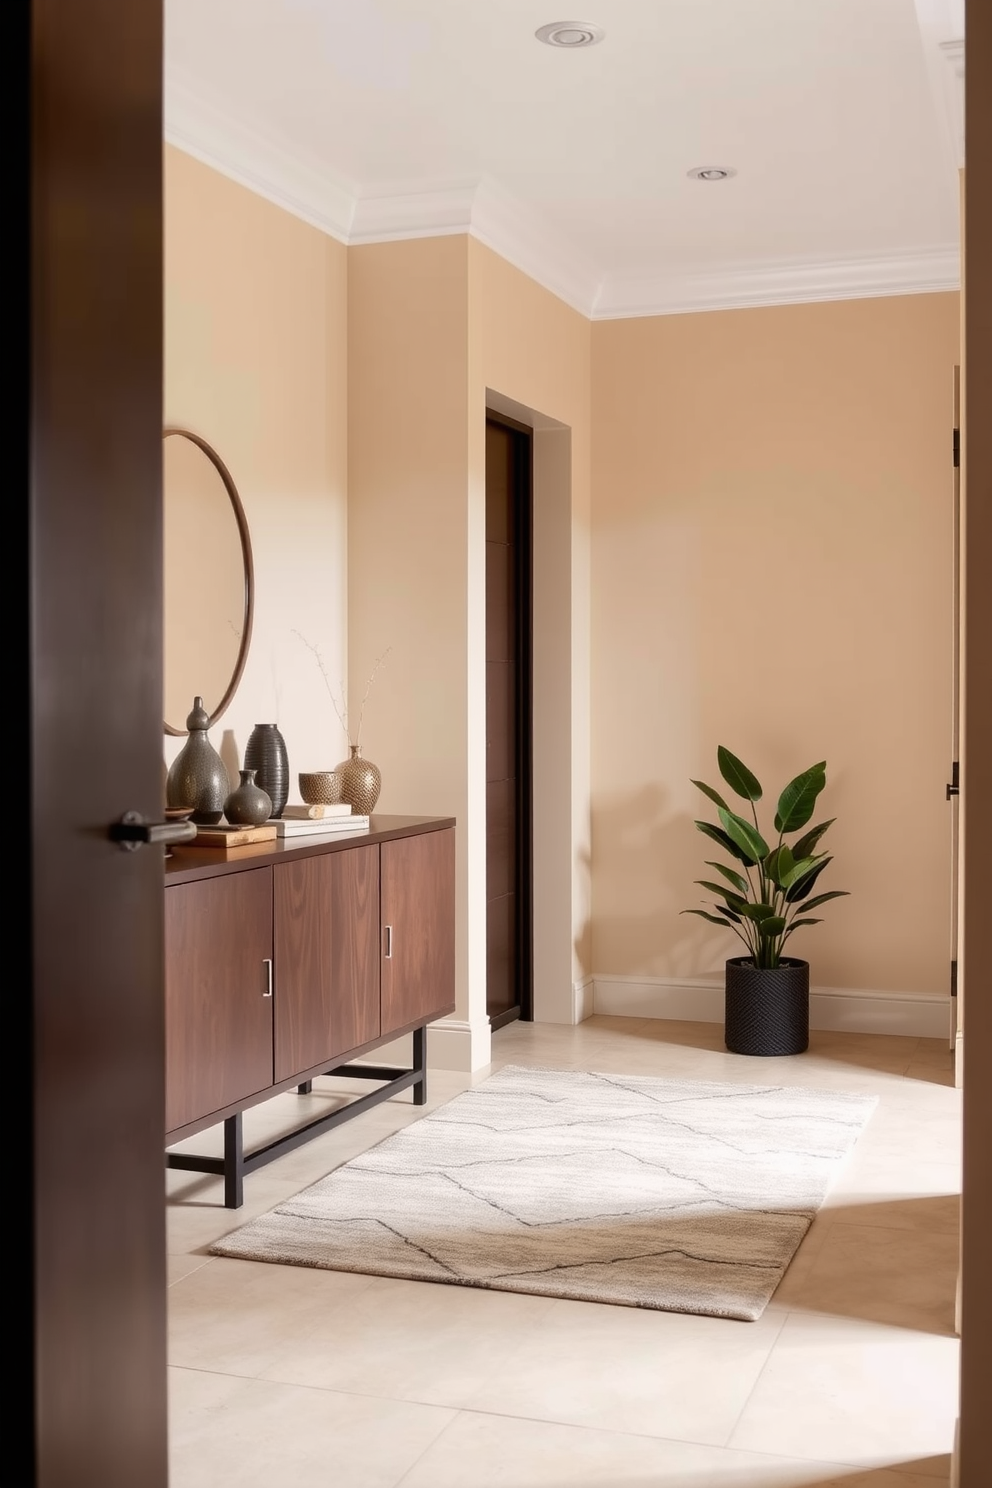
218	1002
417	886
326	957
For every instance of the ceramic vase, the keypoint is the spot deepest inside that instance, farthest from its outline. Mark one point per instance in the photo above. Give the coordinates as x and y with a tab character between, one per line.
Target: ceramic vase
265	753
197	778
248	805
361	782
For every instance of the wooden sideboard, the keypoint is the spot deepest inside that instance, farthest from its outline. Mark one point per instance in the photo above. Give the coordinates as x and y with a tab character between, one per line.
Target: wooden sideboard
290	960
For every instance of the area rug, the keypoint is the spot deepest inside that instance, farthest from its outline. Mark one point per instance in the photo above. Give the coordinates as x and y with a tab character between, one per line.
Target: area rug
667	1194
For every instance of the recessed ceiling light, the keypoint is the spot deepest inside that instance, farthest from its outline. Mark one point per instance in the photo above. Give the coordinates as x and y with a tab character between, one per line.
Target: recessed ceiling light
711	172
570	34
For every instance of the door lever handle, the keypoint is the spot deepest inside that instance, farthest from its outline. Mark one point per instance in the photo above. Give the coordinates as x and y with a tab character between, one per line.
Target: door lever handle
133	831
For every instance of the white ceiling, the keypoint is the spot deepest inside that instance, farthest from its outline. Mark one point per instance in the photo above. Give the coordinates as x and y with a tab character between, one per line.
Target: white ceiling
378	119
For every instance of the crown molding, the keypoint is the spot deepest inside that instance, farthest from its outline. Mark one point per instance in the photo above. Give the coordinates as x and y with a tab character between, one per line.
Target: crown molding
744	287
485	211
199	127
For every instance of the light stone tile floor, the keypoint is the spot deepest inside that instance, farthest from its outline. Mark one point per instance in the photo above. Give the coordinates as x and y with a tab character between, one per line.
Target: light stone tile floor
281	1375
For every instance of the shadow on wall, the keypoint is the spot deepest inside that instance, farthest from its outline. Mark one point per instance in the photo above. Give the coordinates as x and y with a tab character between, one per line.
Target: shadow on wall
646	862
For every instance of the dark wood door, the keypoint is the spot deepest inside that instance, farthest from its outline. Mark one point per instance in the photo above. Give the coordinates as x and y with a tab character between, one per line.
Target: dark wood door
326	957
417	891
96	1228
218	994
508	725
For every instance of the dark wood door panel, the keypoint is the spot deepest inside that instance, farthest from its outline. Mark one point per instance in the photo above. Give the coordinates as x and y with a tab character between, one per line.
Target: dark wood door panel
326	957
418	918
501	958
501	838
218	937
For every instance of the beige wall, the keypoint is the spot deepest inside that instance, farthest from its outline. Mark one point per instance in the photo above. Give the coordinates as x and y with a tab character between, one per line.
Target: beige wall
772	571
408	540
256	363
434	324
530	348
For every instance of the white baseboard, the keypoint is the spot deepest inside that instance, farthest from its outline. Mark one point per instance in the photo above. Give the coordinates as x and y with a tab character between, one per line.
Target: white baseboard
456	1045
843	1009
583	1000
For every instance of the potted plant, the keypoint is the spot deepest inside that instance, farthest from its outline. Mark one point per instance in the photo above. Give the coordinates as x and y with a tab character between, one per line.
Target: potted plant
766	897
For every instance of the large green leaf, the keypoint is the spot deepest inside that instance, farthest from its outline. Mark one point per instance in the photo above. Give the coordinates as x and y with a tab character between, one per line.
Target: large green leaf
810	920
822	899
796	803
737	879
704	915
804	847
722	909
714	796
771	927
748	838
803	886
722	892
757	911
724	840
798	871
738	776
778	863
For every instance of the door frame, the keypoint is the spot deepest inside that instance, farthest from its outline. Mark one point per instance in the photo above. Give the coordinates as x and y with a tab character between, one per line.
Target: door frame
523	490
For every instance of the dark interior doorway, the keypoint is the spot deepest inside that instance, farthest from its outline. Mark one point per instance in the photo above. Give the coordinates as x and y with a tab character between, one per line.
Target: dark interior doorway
509	978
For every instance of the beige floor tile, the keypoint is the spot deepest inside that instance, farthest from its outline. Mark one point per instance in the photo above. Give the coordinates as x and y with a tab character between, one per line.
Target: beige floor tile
483	1451
415	1341
258	1434
903	1276
853	1392
634	1370
815	1383
236	1317
181	1266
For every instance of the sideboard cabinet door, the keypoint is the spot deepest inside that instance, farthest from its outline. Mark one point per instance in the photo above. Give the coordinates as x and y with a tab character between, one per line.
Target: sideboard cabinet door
417	892
218	1016
326	957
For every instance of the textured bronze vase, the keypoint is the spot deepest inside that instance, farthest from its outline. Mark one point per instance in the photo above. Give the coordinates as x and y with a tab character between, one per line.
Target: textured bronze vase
198	777
361	782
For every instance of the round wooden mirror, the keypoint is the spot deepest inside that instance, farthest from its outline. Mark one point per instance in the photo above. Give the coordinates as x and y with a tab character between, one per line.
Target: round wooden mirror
209	585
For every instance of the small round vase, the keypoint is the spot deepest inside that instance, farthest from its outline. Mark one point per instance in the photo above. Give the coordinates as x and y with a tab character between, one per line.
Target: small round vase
265	753
198	778
361	782
248	805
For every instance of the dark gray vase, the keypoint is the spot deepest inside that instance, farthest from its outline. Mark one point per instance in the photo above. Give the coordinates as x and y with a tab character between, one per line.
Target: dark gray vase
265	753
248	805
197	778
767	1012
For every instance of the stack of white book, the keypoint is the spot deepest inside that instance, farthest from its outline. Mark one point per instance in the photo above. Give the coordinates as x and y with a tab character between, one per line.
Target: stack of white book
315	821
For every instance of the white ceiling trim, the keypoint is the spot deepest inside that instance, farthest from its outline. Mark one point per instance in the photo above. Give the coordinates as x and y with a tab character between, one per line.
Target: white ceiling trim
779	283
198	126
302	187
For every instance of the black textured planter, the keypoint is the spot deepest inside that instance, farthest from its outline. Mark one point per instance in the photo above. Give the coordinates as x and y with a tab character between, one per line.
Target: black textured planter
767	1012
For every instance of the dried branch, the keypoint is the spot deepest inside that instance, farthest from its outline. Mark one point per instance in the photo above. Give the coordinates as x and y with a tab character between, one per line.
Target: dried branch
341	710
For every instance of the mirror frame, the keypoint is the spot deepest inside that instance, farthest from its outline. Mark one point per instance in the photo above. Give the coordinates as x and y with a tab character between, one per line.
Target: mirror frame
247	563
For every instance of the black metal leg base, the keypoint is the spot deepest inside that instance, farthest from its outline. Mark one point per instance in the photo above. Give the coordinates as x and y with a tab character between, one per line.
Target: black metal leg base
236	1164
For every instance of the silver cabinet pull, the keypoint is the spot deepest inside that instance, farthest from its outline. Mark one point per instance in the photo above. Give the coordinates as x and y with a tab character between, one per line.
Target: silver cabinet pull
389	942
267	963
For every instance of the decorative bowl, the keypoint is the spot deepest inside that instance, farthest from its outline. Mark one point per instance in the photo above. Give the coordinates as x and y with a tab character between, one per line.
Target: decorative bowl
320	787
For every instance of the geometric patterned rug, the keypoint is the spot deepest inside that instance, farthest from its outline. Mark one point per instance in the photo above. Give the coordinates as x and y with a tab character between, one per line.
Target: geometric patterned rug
683	1196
